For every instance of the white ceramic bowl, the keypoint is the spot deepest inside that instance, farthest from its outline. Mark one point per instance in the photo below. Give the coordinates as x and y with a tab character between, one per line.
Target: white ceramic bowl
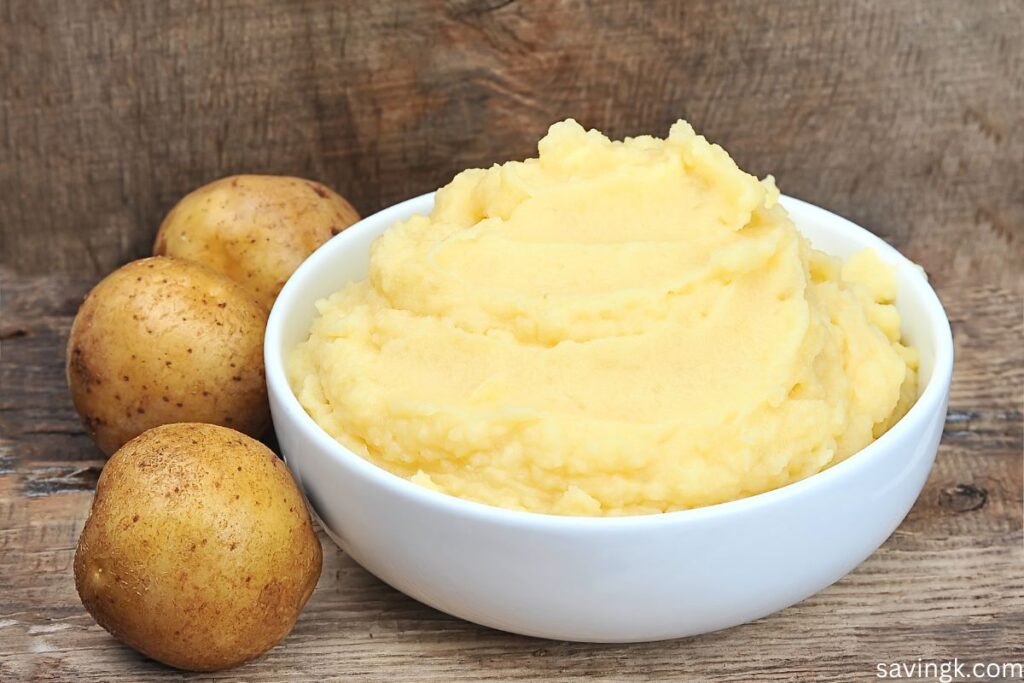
611	579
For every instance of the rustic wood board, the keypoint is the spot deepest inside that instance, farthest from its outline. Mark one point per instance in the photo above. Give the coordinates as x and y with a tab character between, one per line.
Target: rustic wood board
904	116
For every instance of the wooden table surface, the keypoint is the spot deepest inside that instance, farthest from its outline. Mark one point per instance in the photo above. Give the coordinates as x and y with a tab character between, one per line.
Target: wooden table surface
904	116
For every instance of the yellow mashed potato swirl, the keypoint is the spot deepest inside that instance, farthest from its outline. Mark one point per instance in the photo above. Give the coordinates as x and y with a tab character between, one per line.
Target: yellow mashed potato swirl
613	328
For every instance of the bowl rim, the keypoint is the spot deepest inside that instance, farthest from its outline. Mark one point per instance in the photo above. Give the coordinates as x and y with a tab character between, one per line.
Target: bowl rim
931	399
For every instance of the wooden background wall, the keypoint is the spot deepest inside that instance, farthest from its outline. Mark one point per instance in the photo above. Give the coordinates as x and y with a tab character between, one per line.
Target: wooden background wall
905	115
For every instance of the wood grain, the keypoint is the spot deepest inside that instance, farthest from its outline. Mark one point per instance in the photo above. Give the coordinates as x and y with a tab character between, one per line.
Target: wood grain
904	116
947	583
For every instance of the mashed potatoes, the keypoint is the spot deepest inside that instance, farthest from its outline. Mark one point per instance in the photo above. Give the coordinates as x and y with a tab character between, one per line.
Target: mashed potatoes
612	328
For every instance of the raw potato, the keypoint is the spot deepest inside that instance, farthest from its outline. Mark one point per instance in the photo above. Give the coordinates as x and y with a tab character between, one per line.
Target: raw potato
163	340
199	551
255	229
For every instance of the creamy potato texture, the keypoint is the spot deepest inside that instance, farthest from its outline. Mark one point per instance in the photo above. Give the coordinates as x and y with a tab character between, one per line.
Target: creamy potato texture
612	328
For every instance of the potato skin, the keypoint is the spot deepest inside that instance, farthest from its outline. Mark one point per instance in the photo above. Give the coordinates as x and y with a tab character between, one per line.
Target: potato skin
256	229
199	551
163	340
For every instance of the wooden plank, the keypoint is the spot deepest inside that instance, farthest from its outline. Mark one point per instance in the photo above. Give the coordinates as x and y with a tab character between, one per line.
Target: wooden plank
902	116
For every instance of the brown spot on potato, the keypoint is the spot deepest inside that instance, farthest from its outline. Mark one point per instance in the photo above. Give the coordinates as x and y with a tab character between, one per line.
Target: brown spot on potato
80	369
